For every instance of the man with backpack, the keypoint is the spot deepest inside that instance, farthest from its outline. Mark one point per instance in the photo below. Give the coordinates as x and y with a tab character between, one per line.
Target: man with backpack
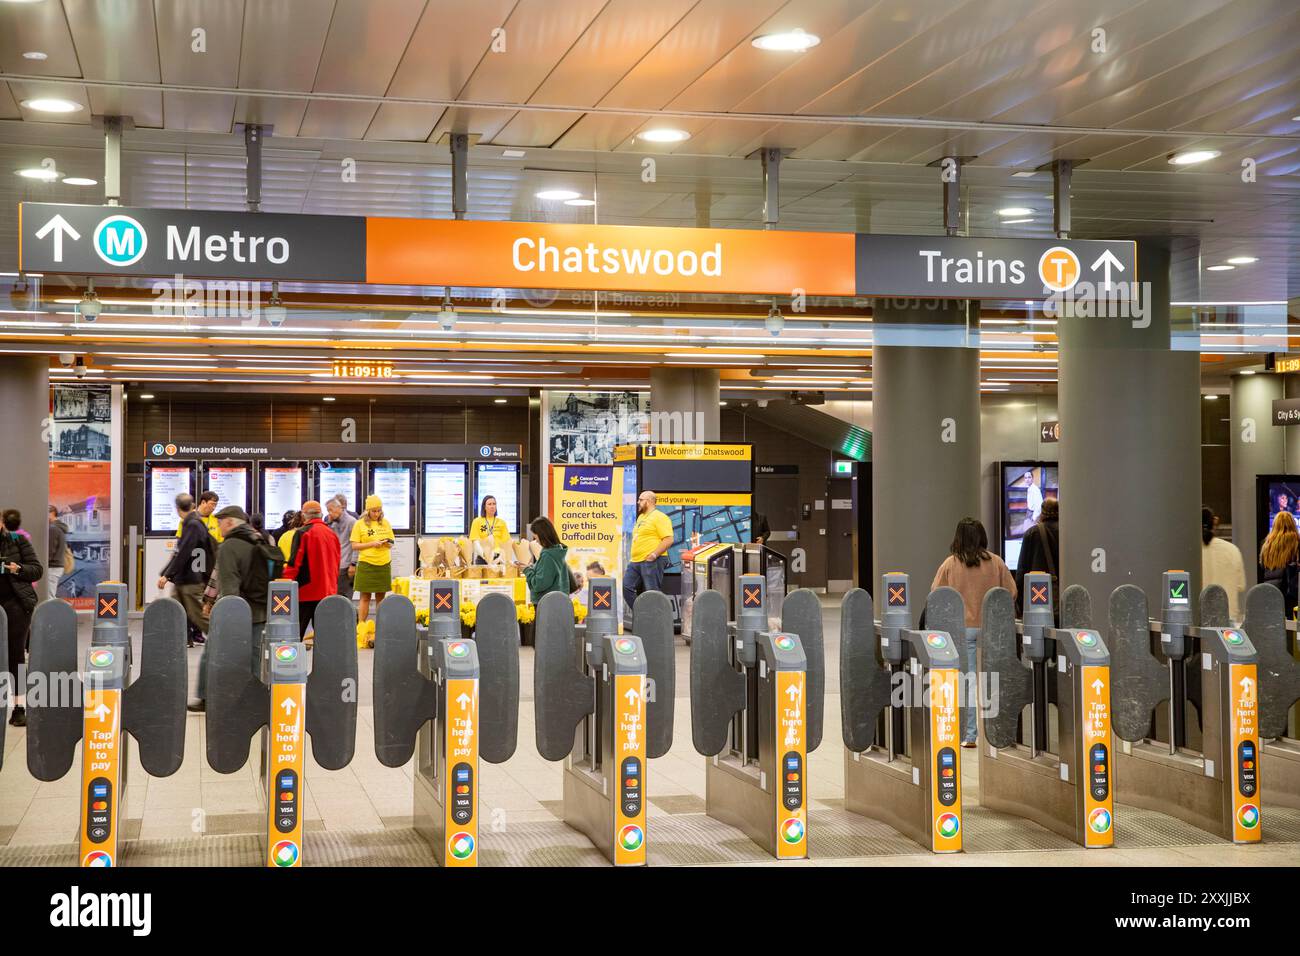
313	563
246	565
189	567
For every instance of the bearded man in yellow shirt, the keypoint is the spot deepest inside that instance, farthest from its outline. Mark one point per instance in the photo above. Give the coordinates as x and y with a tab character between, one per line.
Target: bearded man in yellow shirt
652	536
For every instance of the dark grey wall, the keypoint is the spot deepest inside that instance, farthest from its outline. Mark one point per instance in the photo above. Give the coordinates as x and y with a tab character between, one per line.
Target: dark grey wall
25	464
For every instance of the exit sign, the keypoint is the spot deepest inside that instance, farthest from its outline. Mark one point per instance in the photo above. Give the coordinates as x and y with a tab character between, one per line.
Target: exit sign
844	468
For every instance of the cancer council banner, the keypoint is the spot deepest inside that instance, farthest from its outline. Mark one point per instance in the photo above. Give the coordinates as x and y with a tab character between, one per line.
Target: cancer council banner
586	506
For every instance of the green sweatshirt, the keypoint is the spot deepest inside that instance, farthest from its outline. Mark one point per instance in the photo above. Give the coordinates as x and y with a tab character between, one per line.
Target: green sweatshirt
548	573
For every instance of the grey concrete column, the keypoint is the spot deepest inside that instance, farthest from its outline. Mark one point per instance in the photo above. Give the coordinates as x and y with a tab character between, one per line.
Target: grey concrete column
925	441
1258	448
684	404
25	464
1130	447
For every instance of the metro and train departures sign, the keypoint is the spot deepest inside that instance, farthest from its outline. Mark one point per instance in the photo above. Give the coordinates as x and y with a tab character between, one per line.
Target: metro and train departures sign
116	240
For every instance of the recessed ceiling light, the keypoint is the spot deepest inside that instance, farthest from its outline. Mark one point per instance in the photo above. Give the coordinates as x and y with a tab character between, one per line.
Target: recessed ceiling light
580	202
789	41
556	195
1015	211
1024	173
39	172
1242	260
1245	371
147	397
1211	398
51	104
499	401
512	154
1191	156
664	135
1013	222
328	398
35	55
1219	268
80	181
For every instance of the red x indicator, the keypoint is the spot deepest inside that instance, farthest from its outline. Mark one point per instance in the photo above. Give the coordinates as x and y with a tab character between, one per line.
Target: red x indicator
898	594
753	597
442	600
280	604
108	607
600	597
1038	594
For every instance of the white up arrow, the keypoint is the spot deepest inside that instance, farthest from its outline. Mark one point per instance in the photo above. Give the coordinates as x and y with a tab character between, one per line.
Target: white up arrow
60	227
464	700
287	705
632	697
102	712
1247	688
792	692
1107	261
1097	685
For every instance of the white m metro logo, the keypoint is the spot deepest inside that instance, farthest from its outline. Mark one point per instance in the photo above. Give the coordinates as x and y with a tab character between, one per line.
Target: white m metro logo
120	240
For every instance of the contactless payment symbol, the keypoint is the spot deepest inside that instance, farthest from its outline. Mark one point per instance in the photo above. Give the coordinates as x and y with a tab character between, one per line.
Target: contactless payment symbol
948	824
784	643
1232	637
101	658
1248	816
631	837
935	639
792	830
461	845
1099	820
285	853
120	241
457	649
97	858
624	646
286	653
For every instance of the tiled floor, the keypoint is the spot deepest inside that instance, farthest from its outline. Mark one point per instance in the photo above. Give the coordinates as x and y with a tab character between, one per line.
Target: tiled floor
367	796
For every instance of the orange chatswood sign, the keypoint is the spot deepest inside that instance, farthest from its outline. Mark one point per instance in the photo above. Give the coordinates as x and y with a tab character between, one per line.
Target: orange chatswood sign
612	258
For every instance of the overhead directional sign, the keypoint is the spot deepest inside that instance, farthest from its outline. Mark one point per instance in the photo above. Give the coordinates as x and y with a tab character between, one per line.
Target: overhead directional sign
953	267
107	240
114	240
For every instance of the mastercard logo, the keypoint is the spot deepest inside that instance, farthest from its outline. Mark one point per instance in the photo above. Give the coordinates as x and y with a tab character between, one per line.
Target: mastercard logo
97	858
1099	821
948	824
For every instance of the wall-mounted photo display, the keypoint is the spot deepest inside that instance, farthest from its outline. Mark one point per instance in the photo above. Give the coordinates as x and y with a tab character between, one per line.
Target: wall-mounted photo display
163	481
445	489
501	481
282	487
394	483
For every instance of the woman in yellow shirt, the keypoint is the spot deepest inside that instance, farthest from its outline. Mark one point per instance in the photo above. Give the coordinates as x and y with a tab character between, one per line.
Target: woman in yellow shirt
488	528
372	542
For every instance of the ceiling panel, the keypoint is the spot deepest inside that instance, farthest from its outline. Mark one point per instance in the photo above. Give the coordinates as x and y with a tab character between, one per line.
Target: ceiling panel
199	112
283	114
283	41
221	21
326	119
366	41
145	107
612	45
115	39
40	27
37	90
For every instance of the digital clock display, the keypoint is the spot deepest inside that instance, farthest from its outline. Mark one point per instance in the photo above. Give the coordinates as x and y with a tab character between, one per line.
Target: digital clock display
362	368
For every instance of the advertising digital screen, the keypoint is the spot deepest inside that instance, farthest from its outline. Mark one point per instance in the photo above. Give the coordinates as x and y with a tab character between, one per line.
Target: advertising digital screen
394	483
282	486
1023	486
501	480
163	482
446	496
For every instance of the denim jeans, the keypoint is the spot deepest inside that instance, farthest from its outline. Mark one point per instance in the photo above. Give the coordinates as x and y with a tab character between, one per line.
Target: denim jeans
969	732
648	574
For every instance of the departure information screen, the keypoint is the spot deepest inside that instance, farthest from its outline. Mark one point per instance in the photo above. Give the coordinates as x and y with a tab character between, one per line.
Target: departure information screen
501	480
445	497
393	483
164	484
230	482
281	490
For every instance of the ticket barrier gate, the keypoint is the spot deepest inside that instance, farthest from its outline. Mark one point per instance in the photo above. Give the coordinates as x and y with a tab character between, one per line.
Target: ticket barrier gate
1216	786
1067	789
756	712
899	692
431	700
1279	689
604	705
99	705
258	680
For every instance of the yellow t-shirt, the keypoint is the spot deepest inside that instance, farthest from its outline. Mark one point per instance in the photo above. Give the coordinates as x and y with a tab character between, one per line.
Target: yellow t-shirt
285	542
478	530
210	522
651	528
363	533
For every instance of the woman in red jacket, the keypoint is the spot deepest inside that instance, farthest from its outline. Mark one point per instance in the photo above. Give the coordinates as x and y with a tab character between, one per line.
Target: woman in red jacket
313	563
